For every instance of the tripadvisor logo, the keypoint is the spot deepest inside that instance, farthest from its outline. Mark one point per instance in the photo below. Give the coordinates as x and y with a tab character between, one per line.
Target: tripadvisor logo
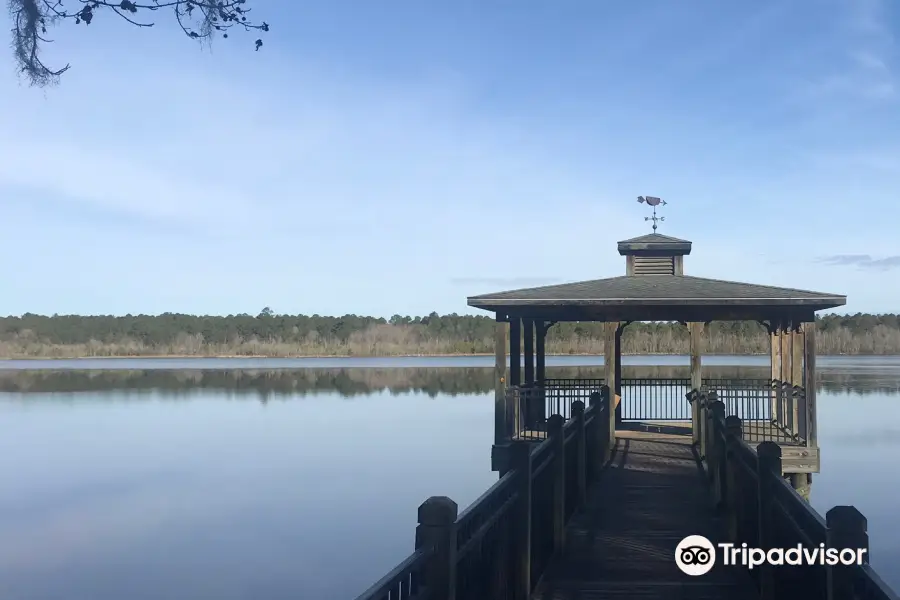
695	555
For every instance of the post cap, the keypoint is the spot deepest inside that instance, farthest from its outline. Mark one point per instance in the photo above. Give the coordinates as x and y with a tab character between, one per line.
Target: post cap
438	510
733	422
555	422
768	449
846	518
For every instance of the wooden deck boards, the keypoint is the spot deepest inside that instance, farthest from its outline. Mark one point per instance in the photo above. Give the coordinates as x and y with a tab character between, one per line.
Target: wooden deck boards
621	545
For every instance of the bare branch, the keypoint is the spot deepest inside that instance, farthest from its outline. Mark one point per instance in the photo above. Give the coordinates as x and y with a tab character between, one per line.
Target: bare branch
199	19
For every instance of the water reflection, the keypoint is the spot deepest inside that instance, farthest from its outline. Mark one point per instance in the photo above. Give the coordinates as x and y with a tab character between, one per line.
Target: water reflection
350	382
116	488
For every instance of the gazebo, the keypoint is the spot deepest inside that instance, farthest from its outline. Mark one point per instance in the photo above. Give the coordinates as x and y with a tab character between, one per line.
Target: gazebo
655	288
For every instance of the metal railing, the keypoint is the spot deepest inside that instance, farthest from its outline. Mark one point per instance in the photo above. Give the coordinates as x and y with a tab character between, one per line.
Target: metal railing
500	545
655	399
765	512
559	394
775	410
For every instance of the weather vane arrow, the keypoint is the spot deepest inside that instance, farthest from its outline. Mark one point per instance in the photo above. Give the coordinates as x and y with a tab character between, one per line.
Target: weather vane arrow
654	202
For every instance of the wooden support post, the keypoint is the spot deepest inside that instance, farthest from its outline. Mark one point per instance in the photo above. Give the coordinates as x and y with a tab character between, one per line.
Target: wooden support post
706	430
697	420
775	362
716	450
580	453
620	328
609	362
437	529
528	343
787	398
801	482
847	529
515	351
695	330
768	456
733	438
540	352
809	382
520	455
797	345
599	431
502	429
557	441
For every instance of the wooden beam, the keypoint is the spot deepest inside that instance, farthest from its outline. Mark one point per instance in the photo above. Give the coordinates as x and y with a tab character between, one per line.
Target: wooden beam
797	373
515	349
617	388
785	376
609	362
502	430
528	330
696	332
775	362
809	381
540	352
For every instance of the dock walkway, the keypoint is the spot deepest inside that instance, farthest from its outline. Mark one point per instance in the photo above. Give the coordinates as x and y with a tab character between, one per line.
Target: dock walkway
621	544
593	512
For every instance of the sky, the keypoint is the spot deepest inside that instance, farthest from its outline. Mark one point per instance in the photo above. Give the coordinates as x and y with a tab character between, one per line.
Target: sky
400	156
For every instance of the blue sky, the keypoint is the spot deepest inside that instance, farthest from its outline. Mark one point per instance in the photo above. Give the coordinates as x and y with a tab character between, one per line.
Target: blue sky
381	158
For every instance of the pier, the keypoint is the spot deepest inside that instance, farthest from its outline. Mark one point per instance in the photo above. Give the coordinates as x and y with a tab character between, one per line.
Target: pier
599	480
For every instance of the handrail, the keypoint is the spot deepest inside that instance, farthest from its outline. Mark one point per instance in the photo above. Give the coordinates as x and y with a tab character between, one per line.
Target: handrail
501	543
763	508
402	582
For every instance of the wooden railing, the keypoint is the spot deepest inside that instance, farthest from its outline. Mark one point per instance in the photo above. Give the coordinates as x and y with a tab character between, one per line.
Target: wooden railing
764	511
500	545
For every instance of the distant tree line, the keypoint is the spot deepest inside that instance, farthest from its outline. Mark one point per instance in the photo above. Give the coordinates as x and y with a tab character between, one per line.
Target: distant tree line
270	334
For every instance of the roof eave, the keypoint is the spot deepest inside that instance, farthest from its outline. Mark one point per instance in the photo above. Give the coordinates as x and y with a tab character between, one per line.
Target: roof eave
668	247
823	303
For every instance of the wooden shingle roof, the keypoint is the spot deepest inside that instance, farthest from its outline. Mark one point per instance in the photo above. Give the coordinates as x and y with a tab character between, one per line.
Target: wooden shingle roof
654	238
658	290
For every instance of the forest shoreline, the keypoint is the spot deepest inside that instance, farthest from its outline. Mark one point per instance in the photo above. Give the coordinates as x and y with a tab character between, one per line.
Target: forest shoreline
315	356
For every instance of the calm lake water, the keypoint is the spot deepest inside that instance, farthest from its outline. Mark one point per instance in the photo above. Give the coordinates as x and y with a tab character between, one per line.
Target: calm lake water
230	479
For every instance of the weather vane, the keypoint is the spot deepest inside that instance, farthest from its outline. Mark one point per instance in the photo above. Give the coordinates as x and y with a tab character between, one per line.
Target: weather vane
654	202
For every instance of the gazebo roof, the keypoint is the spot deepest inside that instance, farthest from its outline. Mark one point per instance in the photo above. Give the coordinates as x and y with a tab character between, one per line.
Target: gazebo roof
656	289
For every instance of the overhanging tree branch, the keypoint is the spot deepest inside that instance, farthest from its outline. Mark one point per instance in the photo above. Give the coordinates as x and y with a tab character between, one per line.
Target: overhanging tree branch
198	19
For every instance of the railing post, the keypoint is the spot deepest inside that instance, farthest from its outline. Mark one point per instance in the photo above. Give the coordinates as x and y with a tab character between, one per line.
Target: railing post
716	450
609	419
697	418
733	438
580	452
704	401
521	546
693	398
437	529
558	444
599	433
847	528
708	433
768	456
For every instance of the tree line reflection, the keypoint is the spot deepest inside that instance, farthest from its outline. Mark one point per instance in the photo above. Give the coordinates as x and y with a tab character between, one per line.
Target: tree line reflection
358	382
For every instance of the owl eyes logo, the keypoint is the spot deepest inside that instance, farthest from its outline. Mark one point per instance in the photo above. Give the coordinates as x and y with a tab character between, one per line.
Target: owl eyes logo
695	555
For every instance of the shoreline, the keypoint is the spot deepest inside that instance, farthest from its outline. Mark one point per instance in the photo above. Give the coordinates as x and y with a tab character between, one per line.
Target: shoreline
347	356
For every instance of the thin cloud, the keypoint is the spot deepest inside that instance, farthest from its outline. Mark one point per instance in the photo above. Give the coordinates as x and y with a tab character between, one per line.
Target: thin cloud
862	261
